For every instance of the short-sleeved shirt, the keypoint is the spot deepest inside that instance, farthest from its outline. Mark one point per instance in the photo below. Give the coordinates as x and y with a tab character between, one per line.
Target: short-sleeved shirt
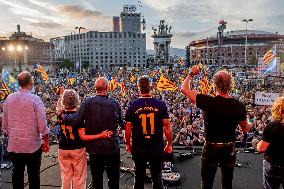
97	114
221	117
146	115
274	135
69	136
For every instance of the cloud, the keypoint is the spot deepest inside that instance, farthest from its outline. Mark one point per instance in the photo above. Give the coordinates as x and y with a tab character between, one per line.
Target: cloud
30	9
49	25
197	12
186	34
78	11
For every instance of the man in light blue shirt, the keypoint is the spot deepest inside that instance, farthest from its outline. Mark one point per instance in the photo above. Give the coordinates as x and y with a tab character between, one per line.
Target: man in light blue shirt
24	122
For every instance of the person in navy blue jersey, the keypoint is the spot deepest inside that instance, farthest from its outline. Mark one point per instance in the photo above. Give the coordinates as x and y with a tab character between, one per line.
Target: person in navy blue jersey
146	120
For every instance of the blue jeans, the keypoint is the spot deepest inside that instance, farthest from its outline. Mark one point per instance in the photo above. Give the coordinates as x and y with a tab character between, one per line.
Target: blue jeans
273	176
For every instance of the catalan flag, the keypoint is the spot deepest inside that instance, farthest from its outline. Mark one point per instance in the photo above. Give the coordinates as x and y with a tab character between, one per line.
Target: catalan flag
10	81
165	84
131	77
112	85
39	68
204	84
4	91
268	57
122	88
71	79
152	73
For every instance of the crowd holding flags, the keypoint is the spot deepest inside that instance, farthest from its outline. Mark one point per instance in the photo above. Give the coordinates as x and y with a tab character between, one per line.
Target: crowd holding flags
39	68
115	82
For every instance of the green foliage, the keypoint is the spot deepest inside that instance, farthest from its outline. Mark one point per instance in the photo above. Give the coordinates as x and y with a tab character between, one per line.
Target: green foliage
65	63
253	61
85	64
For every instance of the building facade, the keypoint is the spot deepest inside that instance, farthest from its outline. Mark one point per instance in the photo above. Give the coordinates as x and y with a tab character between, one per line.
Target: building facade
122	46
103	49
21	51
130	20
115	24
205	51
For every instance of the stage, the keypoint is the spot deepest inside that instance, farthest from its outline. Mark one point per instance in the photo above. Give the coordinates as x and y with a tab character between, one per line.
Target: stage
247	175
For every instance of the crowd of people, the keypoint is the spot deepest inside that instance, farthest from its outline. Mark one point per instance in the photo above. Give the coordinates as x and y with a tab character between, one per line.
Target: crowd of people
184	108
186	119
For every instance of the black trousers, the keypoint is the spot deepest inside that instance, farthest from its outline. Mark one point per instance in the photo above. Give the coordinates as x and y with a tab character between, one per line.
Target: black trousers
110	163
214	156
33	162
155	159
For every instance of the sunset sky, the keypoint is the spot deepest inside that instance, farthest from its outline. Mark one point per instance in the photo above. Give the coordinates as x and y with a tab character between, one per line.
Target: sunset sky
190	19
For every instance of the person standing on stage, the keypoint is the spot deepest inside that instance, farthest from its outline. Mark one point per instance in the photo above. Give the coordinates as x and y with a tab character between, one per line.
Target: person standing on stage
72	155
24	122
146	119
222	115
271	145
101	114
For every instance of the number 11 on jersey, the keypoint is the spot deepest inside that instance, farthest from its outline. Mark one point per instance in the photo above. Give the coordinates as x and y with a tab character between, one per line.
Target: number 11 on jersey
144	124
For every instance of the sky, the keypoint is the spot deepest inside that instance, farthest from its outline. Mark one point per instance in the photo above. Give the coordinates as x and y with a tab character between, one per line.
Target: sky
190	19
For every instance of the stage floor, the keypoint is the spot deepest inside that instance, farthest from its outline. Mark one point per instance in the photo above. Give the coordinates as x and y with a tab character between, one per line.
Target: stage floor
247	176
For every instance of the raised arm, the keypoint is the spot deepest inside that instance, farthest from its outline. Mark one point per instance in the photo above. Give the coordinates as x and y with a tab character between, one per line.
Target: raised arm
185	88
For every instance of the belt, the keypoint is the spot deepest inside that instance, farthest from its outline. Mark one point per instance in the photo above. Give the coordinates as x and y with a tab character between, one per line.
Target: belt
220	143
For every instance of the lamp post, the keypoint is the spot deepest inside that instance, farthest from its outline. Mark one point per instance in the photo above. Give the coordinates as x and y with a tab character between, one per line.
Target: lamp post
80	28
246	20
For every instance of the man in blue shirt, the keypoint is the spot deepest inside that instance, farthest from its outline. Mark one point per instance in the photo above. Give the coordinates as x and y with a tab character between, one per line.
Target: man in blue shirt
101	114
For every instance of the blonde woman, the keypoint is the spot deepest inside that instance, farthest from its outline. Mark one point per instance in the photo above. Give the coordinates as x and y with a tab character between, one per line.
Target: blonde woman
272	146
72	152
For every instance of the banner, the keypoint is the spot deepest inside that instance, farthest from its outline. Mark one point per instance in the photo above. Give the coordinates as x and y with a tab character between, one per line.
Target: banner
262	98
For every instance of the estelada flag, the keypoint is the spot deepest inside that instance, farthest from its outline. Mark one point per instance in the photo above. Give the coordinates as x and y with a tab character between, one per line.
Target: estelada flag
165	84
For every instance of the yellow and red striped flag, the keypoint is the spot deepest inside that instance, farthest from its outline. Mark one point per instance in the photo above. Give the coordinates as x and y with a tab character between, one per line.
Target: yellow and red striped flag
39	68
268	57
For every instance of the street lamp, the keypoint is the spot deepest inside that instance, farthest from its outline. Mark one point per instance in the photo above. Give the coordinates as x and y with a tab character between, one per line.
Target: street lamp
246	20
80	28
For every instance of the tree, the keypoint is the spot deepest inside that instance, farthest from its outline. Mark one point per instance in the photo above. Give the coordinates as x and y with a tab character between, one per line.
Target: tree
65	63
85	64
253	61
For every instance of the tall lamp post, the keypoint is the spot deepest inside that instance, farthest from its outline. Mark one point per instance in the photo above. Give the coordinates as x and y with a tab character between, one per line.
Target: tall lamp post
246	20
79	29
